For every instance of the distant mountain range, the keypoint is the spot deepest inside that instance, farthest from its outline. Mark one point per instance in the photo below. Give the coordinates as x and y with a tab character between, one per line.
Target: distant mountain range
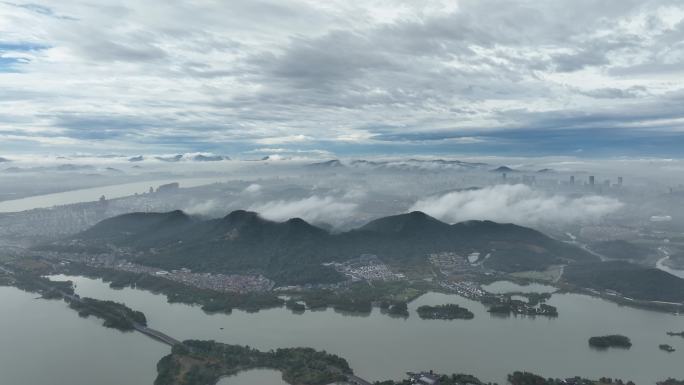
327	164
244	241
410	164
181	157
67	167
504	169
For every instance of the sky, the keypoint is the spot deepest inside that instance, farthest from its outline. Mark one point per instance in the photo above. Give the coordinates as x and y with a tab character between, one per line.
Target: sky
343	78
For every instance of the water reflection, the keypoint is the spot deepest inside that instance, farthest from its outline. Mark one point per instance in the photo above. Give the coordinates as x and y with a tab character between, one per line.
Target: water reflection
45	342
380	347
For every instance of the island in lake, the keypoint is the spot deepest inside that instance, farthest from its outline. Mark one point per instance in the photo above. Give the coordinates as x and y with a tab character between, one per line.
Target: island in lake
115	315
610	341
448	311
205	362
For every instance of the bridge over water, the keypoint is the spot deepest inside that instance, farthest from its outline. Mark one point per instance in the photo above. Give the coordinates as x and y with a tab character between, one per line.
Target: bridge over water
165	338
156	335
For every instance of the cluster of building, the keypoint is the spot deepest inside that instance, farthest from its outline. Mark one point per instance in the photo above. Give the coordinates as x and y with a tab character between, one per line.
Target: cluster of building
219	282
367	267
423	378
507	305
590	181
235	283
313	286
467	289
47	224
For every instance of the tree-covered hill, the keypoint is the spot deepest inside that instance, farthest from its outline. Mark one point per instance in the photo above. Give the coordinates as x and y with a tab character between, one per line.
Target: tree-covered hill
244	241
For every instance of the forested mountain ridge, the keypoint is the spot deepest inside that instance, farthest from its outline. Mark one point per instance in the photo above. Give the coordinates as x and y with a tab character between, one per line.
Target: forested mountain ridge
244	241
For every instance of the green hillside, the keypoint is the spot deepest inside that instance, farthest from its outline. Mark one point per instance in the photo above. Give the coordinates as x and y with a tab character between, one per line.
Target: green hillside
243	241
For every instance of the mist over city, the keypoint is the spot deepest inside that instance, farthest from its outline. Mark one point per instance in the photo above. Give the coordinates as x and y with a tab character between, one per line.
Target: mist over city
463	192
553	194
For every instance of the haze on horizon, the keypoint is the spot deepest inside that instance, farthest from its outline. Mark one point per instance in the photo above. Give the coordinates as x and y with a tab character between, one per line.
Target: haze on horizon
438	192
343	78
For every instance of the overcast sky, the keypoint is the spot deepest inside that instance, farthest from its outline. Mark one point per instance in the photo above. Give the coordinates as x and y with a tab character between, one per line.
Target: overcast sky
250	77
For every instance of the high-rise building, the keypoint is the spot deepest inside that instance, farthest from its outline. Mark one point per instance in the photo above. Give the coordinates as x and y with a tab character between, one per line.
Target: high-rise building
592	180
572	179
619	181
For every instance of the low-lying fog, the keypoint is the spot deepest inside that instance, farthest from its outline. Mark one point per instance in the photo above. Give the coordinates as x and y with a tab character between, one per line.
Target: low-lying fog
551	194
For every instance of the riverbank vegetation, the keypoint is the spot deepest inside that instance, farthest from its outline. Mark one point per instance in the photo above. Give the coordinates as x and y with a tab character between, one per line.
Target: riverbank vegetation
398	309
205	362
30	282
526	378
355	298
115	315
211	301
519	307
506	304
447	312
515	378
295	306
361	297
443	379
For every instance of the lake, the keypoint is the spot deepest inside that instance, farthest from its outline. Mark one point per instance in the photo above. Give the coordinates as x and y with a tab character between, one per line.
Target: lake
44	342
380	347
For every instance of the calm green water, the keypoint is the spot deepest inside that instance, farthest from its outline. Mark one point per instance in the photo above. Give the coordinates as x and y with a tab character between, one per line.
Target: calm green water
45	343
380	347
255	377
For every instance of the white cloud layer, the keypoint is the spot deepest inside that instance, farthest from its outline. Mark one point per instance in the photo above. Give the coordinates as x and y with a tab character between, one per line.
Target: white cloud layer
253	189
516	204
209	207
312	209
234	76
